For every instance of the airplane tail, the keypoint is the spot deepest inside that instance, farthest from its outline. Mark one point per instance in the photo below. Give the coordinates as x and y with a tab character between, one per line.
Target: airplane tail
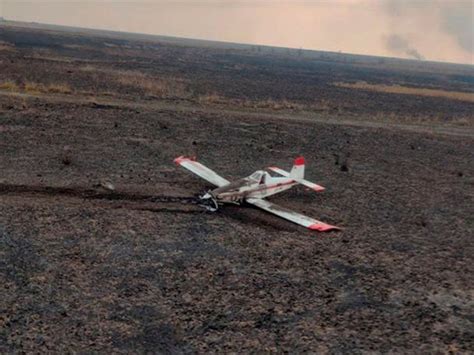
297	172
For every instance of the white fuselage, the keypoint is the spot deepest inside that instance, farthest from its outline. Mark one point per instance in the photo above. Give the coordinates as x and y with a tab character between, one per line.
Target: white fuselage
258	185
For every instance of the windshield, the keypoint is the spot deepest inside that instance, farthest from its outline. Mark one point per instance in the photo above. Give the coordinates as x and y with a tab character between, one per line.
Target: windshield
256	176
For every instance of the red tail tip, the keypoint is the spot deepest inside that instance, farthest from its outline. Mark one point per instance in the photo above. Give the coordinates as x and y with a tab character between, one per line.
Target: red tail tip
299	161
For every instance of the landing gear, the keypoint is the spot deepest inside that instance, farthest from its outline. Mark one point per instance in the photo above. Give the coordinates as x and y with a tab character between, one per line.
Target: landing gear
208	202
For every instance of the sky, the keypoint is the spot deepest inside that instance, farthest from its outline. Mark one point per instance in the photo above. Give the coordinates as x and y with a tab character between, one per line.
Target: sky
440	30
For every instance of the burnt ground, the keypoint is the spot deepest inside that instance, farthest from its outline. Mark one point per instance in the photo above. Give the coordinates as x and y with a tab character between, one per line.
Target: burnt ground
144	269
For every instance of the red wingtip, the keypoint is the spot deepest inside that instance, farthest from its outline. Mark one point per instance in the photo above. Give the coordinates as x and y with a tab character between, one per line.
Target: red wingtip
299	161
180	159
323	227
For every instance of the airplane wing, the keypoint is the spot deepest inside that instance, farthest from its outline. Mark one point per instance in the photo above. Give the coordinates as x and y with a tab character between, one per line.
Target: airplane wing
201	171
279	171
290	215
304	182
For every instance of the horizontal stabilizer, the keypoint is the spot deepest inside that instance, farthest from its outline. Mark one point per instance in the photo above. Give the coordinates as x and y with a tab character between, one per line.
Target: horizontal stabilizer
292	216
312	186
304	182
279	171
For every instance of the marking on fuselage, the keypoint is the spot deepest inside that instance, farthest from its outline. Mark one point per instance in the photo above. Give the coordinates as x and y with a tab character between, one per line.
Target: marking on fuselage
243	194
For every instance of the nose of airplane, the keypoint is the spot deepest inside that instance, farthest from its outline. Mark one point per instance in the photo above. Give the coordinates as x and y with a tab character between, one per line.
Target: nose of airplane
209	202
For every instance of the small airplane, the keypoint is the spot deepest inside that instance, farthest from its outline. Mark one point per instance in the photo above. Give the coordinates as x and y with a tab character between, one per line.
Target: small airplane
254	188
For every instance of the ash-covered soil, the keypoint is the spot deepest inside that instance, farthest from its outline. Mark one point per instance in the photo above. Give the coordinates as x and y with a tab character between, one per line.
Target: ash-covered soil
143	268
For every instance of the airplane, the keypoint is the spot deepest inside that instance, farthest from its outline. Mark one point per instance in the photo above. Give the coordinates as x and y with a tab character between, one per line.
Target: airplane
254	188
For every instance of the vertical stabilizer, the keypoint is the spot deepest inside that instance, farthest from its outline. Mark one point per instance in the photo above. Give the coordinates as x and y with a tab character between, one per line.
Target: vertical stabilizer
297	172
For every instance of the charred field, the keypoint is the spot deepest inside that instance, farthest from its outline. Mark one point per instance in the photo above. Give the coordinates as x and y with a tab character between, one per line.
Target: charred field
142	268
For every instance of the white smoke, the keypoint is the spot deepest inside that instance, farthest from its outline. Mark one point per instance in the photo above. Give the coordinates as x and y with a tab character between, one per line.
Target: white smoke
399	45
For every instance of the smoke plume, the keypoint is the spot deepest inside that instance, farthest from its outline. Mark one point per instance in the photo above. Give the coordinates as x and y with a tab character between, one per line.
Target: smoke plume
450	22
400	45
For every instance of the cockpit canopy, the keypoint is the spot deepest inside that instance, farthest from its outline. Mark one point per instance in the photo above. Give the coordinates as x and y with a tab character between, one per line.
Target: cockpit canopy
259	176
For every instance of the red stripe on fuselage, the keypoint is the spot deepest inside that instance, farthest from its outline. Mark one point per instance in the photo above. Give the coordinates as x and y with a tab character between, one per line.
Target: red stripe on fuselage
269	187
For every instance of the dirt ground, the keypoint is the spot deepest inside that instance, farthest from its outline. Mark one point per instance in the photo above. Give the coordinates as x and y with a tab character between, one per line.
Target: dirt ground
143	268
